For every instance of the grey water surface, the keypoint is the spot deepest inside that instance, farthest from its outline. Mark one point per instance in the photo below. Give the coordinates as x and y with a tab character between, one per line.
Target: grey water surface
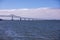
30	30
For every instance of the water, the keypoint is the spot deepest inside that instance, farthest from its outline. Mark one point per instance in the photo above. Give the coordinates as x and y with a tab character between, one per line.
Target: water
30	30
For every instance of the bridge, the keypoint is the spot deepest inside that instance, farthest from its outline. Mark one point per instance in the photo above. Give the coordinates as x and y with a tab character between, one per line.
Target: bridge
12	16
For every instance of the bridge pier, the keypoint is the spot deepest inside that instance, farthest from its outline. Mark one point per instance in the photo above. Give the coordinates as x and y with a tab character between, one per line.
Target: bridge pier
12	18
20	18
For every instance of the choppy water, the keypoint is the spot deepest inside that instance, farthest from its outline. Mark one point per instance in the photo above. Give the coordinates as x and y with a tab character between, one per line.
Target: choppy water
30	30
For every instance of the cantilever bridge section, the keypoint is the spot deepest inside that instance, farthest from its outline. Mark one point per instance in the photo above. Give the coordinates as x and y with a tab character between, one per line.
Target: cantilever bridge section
14	16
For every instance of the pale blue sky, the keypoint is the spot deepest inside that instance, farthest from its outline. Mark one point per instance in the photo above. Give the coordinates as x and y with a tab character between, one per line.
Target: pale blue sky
16	4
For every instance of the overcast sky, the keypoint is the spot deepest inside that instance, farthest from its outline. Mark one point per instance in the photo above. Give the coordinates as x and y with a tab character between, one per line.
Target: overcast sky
45	9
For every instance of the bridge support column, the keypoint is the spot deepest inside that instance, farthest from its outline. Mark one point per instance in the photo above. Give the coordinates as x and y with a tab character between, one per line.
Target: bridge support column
12	18
20	18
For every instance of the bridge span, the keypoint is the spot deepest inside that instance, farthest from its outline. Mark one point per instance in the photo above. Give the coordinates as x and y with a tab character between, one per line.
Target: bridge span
12	16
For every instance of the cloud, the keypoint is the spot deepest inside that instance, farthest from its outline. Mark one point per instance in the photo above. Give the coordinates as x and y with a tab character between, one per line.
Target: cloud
43	13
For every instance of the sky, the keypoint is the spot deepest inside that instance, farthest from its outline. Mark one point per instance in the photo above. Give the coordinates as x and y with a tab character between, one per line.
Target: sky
13	4
45	9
